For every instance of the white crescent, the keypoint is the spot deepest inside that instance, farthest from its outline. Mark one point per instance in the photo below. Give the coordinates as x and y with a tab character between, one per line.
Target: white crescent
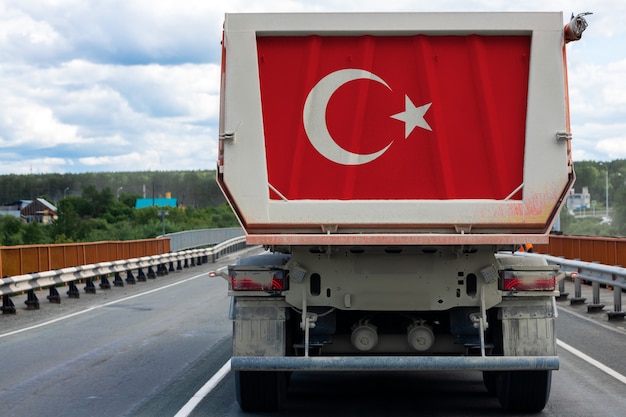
314	116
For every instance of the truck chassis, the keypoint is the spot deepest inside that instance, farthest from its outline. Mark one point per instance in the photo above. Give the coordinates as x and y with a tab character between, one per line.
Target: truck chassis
437	308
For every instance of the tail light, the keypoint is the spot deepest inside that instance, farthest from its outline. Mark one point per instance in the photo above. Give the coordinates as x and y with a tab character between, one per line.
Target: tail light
528	280
258	280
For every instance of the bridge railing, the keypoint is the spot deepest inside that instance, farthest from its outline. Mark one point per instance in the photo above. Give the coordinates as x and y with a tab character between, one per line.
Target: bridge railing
605	250
86	262
204	237
134	269
18	260
599	275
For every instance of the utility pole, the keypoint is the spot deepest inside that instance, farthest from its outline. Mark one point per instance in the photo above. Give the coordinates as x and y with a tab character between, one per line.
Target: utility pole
607	191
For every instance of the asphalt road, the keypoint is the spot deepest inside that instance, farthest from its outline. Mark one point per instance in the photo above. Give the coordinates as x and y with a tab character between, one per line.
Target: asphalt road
579	389
145	350
110	353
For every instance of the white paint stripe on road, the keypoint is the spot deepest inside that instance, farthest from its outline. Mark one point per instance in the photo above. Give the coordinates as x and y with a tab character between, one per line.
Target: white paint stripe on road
186	410
621	378
87	310
204	391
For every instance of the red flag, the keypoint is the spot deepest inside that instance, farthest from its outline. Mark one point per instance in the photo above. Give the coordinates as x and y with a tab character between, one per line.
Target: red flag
394	117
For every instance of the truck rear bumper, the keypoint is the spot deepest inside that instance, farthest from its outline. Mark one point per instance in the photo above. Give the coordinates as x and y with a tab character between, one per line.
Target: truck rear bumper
395	363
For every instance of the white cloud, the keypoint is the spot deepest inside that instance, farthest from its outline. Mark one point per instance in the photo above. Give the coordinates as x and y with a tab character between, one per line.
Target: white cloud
131	85
25	123
109	111
17	25
598	108
599	141
124	160
22	37
614	147
36	165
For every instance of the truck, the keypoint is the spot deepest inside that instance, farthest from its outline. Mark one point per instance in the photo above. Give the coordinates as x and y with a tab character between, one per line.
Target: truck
389	165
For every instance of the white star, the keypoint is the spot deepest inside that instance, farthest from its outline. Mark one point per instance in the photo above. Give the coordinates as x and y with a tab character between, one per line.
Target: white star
413	116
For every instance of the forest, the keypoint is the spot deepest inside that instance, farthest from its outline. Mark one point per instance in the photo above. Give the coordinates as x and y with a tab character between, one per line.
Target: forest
101	206
196	189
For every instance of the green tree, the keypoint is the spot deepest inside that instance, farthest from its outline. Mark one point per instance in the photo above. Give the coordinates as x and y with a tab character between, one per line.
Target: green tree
100	201
67	224
10	231
34	233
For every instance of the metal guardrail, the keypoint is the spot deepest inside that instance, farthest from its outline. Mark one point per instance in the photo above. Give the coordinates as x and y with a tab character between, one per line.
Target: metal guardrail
203	237
599	275
164	264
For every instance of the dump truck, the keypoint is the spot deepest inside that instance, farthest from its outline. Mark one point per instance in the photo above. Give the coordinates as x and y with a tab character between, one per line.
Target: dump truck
390	164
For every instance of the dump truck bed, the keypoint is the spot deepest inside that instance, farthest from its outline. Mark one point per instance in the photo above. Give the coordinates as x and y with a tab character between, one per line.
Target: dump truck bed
384	128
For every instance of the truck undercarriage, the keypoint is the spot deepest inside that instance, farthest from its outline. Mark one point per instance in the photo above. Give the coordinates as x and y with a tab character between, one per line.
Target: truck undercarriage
474	323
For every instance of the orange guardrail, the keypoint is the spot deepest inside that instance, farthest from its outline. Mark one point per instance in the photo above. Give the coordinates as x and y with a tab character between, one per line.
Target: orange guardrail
19	260
605	250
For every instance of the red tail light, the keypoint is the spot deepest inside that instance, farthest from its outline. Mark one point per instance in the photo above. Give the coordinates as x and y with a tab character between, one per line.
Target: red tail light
528	281
258	282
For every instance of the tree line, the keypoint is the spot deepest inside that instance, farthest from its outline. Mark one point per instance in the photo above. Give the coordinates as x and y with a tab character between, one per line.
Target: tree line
101	206
108	213
196	189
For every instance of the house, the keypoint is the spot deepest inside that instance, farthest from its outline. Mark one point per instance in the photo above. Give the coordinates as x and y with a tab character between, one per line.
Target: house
579	201
10	210
38	210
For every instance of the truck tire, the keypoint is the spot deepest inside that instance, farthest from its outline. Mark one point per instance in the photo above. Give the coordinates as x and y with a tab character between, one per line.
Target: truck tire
489	379
260	391
526	391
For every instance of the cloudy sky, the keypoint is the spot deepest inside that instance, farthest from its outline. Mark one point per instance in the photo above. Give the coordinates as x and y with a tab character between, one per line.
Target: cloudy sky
128	85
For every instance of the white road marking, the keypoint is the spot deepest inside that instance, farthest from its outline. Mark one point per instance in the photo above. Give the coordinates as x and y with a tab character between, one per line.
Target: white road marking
87	310
621	378
204	391
224	370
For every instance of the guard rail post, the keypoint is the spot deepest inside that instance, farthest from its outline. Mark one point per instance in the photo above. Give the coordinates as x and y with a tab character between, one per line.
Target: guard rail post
73	291
54	296
104	282
7	305
117	281
32	302
595	305
617	312
578	298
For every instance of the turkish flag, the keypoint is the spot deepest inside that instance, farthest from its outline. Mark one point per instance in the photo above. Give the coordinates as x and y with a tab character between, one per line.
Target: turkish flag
394	117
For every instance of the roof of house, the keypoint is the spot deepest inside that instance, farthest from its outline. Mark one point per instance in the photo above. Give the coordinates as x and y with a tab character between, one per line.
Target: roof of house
47	204
21	205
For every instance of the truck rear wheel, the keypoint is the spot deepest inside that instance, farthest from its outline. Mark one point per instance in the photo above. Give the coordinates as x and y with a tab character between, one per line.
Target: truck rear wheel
260	391
526	391
490	381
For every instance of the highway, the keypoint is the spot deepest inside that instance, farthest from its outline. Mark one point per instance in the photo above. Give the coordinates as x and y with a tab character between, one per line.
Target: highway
147	349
